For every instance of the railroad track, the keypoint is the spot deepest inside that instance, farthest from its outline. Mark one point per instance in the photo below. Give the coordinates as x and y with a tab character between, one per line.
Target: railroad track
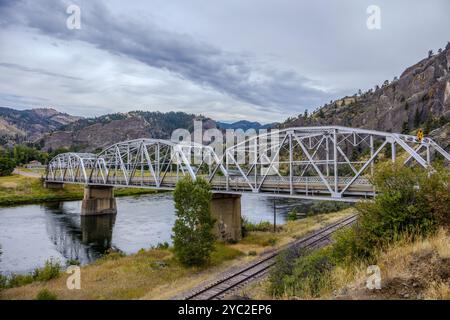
217	290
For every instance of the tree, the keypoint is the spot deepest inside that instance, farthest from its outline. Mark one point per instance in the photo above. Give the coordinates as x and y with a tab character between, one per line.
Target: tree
430	53
321	114
193	240
7	165
405	127
417	118
305	115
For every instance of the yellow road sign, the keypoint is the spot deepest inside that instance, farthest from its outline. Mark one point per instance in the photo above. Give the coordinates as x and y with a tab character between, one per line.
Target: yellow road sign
420	135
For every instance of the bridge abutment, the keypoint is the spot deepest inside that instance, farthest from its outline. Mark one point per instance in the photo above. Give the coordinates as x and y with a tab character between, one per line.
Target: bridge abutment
98	200
53	185
226	209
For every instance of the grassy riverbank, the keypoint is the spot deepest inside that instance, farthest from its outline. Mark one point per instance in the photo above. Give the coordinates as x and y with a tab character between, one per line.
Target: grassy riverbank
18	189
156	274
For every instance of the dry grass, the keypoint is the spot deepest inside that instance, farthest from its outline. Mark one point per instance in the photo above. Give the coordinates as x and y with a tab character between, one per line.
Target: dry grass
151	274
409	270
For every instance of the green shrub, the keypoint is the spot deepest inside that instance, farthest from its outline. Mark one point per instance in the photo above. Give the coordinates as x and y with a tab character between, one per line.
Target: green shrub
302	273
162	246
327	207
292	215
51	270
282	269
409	201
260	226
3	281
18	280
311	273
73	262
45	294
193	240
7	165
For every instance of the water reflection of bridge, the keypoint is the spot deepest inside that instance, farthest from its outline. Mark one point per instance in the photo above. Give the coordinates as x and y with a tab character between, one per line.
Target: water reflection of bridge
84	238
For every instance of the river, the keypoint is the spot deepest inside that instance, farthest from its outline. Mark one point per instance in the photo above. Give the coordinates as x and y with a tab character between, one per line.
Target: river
31	234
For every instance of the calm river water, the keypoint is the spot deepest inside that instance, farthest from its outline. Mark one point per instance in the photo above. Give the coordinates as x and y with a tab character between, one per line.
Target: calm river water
31	234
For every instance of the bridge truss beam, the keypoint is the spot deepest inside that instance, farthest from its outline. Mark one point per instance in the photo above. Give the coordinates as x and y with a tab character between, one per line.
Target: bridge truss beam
330	162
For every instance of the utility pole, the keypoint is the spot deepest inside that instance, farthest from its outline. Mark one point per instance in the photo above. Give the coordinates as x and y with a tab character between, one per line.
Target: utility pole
274	216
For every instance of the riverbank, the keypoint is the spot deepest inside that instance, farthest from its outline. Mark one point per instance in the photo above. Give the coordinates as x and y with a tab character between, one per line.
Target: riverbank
20	189
156	274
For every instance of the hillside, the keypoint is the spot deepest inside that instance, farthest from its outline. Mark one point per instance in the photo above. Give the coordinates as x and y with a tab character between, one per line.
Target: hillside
245	125
96	133
419	98
29	125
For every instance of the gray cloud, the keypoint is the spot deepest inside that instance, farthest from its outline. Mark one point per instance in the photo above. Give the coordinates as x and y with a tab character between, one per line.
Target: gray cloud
229	73
261	59
36	70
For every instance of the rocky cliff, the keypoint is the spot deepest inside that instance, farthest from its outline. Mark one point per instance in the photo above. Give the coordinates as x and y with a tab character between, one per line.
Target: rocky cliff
419	98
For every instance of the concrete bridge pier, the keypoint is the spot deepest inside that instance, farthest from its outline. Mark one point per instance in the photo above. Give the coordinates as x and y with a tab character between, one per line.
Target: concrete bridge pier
226	209
98	200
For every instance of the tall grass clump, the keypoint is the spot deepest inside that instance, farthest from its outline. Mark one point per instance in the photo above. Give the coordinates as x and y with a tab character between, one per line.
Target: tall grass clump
45	294
51	270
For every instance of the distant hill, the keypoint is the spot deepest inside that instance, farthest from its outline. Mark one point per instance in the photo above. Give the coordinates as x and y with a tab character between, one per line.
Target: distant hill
245	125
419	98
29	125
90	134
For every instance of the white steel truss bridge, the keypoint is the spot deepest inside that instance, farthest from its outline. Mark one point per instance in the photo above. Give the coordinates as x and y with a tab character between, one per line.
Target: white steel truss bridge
328	163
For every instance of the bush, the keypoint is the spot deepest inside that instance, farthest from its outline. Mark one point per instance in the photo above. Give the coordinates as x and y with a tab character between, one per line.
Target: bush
18	280
193	240
327	207
3	281
73	262
409	200
251	227
45	294
51	270
302	273
292	215
311	274
282	269
6	166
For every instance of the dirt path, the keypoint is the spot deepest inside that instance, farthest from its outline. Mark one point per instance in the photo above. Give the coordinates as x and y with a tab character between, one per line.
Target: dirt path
26	173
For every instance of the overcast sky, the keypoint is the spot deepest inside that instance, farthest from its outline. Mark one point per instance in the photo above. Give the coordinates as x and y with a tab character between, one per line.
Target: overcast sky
229	60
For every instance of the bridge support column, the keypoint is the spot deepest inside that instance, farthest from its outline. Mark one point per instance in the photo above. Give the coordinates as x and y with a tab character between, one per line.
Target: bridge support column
98	200
53	185
226	209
